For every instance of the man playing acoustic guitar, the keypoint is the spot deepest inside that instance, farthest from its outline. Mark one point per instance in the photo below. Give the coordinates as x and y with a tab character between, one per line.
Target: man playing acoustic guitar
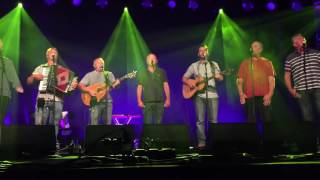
97	83
204	86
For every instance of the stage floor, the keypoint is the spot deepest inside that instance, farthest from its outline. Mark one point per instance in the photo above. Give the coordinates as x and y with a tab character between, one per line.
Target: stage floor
182	166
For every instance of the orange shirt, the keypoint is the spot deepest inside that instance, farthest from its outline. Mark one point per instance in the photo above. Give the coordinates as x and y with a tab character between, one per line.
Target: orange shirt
262	69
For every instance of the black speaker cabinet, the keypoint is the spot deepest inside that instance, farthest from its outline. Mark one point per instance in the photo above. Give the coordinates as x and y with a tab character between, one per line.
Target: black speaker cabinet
232	138
28	139
166	136
109	139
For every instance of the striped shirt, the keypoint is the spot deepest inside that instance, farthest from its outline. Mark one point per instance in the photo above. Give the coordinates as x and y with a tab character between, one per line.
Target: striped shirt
305	75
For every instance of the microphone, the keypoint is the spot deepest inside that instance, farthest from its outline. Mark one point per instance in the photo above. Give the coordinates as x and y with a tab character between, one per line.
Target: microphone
152	64
304	44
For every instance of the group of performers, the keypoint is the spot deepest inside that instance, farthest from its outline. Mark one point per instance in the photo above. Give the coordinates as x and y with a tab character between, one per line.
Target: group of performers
255	85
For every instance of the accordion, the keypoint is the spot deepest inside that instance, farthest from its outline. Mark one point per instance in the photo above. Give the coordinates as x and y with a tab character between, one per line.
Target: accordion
62	79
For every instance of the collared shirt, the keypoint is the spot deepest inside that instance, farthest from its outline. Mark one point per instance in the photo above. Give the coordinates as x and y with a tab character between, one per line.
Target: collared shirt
152	83
305	74
200	69
95	77
256	76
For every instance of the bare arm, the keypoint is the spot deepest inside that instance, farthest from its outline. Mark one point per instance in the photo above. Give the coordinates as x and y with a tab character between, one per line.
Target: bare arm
166	89
242	96
139	96
267	98
288	83
218	76
272	85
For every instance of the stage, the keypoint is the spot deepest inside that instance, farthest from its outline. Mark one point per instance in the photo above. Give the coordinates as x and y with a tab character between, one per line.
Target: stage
184	166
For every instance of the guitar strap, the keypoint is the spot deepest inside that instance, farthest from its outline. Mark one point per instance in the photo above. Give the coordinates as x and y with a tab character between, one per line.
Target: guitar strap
106	76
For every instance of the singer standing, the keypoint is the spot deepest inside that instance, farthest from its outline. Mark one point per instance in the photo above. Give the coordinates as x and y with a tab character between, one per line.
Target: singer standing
8	79
102	109
256	83
302	67
49	105
151	85
205	100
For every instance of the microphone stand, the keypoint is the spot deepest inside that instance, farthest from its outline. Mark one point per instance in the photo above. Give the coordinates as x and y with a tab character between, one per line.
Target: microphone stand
304	65
52	85
253	89
206	90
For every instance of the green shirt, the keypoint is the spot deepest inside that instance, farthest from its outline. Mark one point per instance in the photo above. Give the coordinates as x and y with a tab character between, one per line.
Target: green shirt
10	78
152	84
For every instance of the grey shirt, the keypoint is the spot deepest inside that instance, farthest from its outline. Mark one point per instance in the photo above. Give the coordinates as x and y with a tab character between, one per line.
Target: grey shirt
199	69
10	77
95	77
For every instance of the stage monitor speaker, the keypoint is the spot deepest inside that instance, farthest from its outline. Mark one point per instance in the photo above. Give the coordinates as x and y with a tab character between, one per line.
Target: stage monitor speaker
166	136
229	138
306	136
109	139
299	137
32	139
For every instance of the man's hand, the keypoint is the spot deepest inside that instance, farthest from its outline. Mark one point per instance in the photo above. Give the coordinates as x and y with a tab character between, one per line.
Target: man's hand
294	93
140	104
243	98
267	99
191	83
116	83
92	93
167	103
19	89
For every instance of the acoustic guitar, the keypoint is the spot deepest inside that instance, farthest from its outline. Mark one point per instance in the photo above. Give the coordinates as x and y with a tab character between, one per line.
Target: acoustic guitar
101	90
200	83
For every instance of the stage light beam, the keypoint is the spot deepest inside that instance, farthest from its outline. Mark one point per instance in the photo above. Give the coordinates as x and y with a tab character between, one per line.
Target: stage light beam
20	5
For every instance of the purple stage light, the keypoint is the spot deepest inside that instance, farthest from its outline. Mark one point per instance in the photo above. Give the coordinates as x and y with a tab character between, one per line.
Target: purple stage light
49	2
193	5
76	2
102	3
296	5
172	4
316	5
247	5
147	4
271	6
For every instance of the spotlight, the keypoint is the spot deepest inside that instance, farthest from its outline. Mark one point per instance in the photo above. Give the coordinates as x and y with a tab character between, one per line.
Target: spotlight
125	9
247	5
271	5
316	5
172	4
20	5
193	5
102	3
296	5
220	11
147	4
76	2
49	2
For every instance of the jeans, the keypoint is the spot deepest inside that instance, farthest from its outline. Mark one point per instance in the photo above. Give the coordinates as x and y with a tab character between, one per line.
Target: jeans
101	110
153	112
310	106
4	101
49	114
212	110
258	113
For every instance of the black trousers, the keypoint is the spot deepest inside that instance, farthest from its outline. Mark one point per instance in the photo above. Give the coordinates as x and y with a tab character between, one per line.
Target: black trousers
4	101
256	111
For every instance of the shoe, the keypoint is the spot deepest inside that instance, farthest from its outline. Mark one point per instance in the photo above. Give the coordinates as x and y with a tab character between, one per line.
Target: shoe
201	146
